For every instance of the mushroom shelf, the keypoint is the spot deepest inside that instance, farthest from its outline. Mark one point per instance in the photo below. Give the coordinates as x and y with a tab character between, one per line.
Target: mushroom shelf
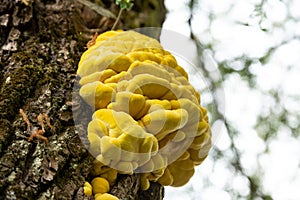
148	118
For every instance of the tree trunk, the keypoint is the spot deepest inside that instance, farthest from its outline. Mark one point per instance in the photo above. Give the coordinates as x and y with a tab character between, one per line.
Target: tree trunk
41	43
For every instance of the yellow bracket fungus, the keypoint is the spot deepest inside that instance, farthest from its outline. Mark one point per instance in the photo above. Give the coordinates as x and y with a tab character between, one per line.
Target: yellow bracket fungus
87	188
105	196
148	118
100	185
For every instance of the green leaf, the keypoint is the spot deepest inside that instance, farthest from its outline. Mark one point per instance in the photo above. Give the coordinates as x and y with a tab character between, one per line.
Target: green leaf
124	4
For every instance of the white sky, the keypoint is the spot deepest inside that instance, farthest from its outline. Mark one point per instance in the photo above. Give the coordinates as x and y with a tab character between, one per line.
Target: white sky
280	167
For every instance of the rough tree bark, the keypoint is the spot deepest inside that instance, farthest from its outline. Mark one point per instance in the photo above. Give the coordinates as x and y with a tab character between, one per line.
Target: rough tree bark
41	42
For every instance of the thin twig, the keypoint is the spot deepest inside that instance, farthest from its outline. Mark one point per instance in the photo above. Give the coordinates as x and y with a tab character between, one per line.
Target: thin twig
118	19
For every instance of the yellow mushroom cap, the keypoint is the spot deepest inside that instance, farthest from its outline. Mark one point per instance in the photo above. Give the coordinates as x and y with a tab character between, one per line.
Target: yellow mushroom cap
100	185
87	189
105	196
101	170
96	94
148	117
114	140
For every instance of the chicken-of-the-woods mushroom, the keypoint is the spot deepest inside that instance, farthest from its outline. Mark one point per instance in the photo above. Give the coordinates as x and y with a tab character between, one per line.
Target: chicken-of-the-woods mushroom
148	118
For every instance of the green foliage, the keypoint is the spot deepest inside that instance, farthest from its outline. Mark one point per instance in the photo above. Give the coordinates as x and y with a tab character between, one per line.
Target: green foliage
124	4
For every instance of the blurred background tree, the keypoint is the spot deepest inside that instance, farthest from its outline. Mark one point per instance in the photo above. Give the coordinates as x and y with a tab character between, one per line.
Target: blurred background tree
248	50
